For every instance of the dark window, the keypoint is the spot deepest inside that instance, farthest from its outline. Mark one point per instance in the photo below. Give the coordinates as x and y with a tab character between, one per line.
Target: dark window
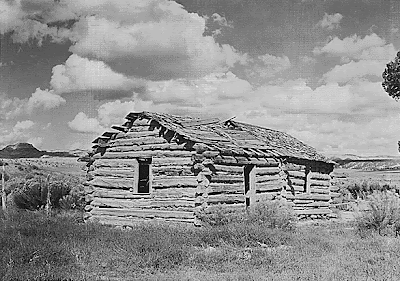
144	175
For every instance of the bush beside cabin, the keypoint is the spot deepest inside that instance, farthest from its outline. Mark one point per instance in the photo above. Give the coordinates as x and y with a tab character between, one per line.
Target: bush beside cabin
172	168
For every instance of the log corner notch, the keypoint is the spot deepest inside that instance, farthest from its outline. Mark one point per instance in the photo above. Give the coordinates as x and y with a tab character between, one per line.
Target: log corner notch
198	165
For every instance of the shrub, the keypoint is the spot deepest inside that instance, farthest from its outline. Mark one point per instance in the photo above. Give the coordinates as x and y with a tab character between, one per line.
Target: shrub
383	213
273	214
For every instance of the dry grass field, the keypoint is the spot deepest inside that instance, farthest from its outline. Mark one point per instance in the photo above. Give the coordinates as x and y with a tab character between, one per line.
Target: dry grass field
35	246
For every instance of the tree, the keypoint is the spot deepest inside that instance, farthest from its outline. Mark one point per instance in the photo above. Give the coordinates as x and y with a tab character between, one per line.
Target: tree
391	78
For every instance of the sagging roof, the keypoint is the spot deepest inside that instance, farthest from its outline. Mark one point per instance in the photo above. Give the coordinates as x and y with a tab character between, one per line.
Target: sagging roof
230	135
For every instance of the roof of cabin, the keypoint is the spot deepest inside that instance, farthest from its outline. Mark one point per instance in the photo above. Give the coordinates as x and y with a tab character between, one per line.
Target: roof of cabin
237	137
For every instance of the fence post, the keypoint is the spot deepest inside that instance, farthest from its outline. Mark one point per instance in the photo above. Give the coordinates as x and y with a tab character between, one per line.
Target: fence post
3	188
48	201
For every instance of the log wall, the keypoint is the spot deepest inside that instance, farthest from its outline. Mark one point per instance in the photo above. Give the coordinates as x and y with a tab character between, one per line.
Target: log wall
307	188
112	200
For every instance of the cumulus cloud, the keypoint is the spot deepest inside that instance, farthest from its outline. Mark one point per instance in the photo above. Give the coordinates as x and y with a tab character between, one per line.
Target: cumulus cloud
45	99
330	22
84	124
108	114
354	70
21	132
267	66
221	20
351	47
81	74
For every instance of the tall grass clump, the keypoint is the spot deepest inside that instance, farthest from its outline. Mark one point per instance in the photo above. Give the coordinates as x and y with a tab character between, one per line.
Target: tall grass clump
382	214
268	223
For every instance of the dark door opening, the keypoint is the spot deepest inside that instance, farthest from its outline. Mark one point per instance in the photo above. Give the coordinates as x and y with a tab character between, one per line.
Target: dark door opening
248	183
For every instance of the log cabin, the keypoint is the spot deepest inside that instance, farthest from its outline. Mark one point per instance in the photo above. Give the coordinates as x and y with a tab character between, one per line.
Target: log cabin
164	167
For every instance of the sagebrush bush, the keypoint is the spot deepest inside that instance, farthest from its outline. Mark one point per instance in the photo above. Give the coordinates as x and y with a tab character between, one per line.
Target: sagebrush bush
383	213
364	189
31	193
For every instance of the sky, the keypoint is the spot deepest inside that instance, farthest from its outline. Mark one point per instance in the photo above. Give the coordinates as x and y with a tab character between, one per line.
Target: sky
69	69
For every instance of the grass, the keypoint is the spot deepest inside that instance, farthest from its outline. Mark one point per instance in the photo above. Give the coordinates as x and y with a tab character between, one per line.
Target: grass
36	247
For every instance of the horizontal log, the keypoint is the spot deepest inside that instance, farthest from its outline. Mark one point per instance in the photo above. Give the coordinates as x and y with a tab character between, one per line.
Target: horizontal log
178	170
264	187
110	182
143	203
334	188
306	196
316	211
140	213
226	198
227	178
263	197
174	193
133	221
297	174
171	161
114	164
135	134
335	194
228	169
225	188
295	188
118	193
138	141
144	154
319	190
161	146
296	181
124	173
317	204
320	183
302	202
268	178
226	207
233	161
174	181
319	176
267	171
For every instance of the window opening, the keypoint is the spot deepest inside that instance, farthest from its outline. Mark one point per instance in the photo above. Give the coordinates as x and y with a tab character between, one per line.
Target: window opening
144	175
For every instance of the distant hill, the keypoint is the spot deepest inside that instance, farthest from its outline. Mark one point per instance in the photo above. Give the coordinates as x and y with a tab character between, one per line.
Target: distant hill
367	163
27	150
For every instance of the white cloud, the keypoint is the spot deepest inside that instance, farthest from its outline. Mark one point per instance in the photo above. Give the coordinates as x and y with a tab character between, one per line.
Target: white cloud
84	124
113	113
81	74
267	66
35	141
307	60
45	99
351	47
354	70
330	22
221	20
21	132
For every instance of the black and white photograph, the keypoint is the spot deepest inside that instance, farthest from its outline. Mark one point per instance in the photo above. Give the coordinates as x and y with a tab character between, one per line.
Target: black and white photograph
200	140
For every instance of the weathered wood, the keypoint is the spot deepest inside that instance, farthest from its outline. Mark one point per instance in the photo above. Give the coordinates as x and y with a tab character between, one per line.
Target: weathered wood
320	190
140	134
319	183
316	211
162	146
318	204
141	122
124	173
296	181
141	213
226	198
178	170
297	174
267	171
225	188
295	188
143	203
133	221
118	193
138	141
114	163
171	161
228	169
227	178
263	197
230	160
335	194
110	182
226	207
264	187
305	196
170	181
145	154
268	178
319	176
174	193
